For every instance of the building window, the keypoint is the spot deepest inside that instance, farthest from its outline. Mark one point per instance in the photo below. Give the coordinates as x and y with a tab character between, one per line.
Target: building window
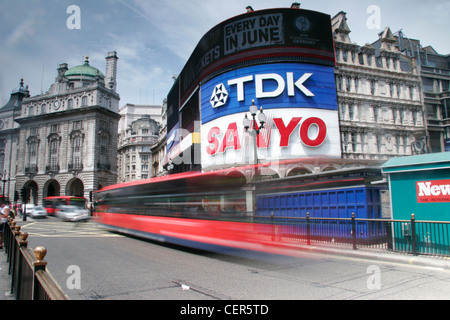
54	154
372	87
369	59
340	83
351	112
348	83
84	101
379	143
345	55
54	128
70	104
2	162
77	125
77	144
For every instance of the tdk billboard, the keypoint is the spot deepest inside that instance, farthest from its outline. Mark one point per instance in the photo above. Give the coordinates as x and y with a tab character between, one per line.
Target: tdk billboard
299	101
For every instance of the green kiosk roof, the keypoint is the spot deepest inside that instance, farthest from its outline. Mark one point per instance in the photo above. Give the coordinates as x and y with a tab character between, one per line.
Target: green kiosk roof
431	161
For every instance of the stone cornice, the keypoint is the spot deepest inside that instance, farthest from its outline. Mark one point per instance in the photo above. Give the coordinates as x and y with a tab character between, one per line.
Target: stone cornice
63	114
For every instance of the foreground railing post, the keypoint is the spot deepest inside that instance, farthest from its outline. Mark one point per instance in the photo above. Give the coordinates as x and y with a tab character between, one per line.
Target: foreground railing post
413	234
308	231
39	264
353	231
390	245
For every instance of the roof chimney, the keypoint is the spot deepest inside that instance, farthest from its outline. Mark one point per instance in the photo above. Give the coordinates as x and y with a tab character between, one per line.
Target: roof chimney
111	70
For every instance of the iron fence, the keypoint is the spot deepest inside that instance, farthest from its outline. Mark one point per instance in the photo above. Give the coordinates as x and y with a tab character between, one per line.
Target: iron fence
410	236
29	278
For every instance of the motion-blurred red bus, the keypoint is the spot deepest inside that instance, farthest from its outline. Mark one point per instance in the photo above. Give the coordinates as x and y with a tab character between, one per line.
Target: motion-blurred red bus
51	203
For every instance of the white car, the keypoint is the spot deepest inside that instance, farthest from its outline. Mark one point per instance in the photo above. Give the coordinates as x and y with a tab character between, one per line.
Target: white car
37	212
72	213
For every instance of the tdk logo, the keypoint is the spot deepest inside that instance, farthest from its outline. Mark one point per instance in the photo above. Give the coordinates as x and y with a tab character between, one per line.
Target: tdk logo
220	93
220	96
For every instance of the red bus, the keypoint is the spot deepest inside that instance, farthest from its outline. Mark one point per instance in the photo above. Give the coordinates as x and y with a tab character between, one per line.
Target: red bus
51	203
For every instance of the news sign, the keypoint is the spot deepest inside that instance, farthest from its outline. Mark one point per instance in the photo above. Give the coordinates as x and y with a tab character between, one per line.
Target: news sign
299	101
433	191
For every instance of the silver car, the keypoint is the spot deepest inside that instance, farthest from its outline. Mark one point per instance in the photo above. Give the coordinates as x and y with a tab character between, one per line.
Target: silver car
72	213
37	212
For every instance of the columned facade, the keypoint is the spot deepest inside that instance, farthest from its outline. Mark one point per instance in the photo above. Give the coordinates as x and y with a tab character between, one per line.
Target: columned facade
65	140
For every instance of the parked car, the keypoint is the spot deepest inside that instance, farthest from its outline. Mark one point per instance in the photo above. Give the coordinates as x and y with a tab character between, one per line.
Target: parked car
37	212
72	213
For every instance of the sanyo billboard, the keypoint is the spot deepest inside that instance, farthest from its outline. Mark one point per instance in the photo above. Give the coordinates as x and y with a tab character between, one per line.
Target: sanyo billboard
300	105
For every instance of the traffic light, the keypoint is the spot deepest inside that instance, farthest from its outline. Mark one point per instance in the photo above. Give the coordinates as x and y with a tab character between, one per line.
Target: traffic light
24	194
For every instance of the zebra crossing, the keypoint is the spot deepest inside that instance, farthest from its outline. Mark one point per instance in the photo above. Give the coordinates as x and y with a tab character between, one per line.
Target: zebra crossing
54	228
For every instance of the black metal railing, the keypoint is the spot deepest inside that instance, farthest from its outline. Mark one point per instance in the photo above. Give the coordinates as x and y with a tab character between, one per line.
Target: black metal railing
29	278
410	236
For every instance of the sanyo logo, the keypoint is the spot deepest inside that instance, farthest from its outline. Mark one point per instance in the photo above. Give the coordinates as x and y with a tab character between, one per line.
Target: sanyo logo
287	83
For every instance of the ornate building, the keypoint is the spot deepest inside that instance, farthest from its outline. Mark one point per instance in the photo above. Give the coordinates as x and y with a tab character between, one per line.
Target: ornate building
379	97
435	76
134	152
63	142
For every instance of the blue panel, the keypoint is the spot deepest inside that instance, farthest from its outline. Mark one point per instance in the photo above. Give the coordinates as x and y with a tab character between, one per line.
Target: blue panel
351	196
321	83
324	198
360	196
341	197
340	203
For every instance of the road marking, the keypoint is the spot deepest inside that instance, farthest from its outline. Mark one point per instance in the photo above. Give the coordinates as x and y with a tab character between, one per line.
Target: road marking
55	229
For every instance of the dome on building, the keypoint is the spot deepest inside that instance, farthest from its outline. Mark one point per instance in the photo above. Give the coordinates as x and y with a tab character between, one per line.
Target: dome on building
84	70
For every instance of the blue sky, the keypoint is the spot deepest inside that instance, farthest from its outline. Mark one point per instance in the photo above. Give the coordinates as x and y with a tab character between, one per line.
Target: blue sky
154	38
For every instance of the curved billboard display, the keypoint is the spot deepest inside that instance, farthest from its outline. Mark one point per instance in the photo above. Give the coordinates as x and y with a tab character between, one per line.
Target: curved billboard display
260	36
299	101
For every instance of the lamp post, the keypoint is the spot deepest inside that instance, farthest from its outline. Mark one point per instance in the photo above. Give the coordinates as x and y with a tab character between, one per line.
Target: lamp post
254	131
4	179
251	127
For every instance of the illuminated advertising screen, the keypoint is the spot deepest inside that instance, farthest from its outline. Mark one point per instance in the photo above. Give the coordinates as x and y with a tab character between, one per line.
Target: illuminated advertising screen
260	37
298	100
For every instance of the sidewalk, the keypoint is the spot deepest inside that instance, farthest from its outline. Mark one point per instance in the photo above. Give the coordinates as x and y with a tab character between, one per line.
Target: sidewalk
381	255
5	278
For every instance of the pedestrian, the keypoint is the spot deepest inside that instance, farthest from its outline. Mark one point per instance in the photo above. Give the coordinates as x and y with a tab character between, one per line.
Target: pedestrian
4	213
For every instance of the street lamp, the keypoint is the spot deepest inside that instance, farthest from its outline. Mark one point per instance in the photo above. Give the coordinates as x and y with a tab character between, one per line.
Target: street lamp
261	118
254	132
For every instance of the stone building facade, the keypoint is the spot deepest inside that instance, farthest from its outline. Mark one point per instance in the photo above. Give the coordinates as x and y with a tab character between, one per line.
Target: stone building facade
134	152
379	97
64	142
